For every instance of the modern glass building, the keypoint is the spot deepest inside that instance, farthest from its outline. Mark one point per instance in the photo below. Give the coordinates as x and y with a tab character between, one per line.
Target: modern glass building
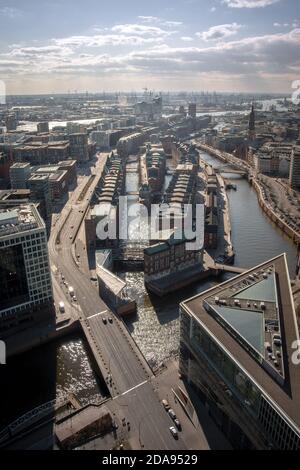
25	285
237	350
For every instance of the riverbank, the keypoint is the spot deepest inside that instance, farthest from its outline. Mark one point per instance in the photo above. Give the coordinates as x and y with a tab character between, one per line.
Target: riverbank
281	224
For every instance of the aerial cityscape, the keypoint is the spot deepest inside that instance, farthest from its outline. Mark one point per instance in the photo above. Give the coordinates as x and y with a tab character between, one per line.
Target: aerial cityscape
150	226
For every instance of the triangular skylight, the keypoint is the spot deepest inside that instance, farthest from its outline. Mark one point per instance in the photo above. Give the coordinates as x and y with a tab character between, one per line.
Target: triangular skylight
247	323
263	290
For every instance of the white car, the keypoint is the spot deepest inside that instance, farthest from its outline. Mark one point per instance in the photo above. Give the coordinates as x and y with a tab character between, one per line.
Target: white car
174	432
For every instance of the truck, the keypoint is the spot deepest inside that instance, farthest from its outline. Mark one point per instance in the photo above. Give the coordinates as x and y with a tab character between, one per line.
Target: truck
71	291
61	307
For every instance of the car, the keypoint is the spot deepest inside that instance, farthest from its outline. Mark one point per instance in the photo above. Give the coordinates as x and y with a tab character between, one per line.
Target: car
172	413
174	432
177	424
104	320
71	237
165	404
110	320
74	299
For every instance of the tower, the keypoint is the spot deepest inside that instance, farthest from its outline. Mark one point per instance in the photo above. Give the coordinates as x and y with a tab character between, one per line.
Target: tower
252	124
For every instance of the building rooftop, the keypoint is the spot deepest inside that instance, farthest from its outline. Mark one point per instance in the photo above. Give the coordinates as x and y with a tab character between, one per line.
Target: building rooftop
20	165
19	219
253	317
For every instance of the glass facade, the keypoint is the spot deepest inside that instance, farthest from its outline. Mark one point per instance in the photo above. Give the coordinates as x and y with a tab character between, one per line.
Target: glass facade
238	383
206	365
13	285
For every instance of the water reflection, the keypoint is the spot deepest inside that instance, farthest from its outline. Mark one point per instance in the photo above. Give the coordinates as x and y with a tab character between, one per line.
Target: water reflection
45	373
255	240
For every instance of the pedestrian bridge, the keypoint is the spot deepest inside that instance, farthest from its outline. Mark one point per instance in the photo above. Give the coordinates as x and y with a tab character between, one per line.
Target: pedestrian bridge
230	169
230	269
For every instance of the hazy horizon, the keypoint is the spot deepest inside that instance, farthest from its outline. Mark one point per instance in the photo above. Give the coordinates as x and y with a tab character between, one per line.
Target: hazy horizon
243	46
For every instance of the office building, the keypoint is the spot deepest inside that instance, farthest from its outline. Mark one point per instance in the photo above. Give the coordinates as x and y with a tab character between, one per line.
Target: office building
42	127
251	133
11	122
237	350
101	139
25	286
192	110
79	149
295	168
19	174
40	191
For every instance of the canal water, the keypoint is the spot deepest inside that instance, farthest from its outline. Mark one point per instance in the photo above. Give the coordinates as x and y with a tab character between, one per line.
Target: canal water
45	373
255	239
64	366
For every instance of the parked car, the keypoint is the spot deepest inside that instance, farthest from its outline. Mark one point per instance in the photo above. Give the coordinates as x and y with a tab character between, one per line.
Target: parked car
173	432
177	424
165	404
110	320
172	413
104	320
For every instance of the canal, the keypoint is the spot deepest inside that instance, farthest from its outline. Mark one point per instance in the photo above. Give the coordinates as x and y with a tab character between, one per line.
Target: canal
65	366
255	239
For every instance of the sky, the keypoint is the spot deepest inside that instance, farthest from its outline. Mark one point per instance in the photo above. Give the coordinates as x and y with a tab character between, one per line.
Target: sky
163	45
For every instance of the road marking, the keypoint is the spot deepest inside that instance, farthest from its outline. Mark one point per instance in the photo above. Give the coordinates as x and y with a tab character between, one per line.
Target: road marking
95	314
133	388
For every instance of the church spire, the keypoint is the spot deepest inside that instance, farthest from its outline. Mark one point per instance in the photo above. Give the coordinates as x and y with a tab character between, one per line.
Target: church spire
252	123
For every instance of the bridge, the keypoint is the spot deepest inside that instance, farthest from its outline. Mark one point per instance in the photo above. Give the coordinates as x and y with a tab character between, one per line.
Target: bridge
26	421
241	166
229	169
230	269
130	255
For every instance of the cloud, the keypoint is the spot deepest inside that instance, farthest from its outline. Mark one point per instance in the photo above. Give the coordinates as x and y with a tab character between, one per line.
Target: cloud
156	19
140	30
221	31
102	40
273	58
10	12
282	25
187	38
38	51
269	54
149	19
249	3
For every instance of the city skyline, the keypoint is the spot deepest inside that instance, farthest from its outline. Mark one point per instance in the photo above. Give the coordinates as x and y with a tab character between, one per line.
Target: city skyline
221	45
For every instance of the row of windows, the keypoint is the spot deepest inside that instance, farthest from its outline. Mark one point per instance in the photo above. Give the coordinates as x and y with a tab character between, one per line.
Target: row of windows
240	385
279	432
25	240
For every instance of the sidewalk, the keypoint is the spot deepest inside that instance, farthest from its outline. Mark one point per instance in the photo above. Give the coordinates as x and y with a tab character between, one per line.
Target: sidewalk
206	434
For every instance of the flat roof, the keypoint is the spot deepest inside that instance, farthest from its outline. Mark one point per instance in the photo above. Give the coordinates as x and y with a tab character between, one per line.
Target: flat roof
285	393
19	218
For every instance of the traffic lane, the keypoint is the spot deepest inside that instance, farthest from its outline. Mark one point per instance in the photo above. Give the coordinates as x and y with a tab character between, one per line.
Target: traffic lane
122	344
148	420
122	357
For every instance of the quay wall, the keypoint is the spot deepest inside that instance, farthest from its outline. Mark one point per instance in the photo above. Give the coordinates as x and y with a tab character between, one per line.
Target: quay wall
283	226
295	237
